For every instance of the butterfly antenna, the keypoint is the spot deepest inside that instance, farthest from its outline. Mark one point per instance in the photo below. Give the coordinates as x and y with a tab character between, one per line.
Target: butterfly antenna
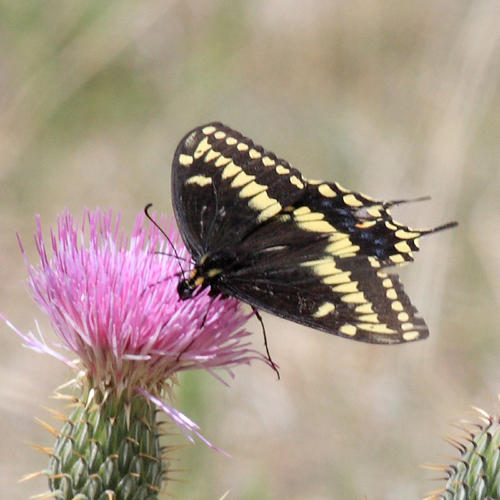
146	212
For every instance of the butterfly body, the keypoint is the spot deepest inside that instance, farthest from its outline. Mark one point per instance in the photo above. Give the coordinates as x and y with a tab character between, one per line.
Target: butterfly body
309	251
207	272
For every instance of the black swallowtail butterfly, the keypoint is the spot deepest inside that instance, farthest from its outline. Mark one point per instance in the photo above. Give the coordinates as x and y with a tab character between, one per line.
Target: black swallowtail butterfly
306	250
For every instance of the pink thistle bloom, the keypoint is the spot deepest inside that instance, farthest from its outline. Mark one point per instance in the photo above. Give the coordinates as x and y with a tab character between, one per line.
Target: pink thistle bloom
113	302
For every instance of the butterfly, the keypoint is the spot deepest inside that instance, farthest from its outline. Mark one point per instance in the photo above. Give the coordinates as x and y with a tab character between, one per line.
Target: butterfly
306	250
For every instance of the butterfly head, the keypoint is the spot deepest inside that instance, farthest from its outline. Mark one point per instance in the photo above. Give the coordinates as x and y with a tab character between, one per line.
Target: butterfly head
186	287
204	274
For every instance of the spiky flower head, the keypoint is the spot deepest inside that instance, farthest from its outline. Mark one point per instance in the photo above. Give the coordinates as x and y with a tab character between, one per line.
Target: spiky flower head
113	302
476	473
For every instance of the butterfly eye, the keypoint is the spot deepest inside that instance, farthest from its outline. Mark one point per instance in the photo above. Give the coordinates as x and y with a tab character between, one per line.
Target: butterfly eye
184	289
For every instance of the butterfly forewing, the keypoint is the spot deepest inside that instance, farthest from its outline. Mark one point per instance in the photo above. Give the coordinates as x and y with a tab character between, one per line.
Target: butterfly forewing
309	251
224	186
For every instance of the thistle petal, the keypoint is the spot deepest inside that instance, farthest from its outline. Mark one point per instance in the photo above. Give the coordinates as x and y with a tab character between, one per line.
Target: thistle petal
112	300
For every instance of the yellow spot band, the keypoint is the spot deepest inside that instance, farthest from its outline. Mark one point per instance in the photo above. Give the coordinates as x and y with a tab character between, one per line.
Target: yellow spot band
326	191
209	130
348	330
185	160
199	180
324	309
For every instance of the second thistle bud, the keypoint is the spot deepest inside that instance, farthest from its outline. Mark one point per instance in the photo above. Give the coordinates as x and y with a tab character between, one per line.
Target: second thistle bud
476	474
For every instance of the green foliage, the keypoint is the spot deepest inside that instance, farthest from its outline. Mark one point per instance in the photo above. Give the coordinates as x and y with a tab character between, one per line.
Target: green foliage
476	474
107	449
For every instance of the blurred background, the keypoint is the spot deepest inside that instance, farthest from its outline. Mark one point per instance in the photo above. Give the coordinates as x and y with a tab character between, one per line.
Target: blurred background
395	99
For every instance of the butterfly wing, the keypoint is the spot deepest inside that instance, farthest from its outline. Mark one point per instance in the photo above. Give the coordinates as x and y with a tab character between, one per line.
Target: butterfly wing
224	186
310	251
319	280
367	221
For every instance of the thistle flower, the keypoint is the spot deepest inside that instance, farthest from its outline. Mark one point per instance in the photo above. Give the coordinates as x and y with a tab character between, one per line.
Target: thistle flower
476	473
113	303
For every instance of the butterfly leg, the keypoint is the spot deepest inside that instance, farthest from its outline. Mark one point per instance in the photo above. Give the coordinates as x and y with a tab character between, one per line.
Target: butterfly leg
208	309
201	326
274	366
184	350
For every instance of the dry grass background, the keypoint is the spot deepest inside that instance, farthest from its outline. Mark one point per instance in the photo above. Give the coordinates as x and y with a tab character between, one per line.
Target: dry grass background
397	99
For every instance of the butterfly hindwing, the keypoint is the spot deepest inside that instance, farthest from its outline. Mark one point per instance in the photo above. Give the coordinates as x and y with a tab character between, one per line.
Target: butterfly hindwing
367	221
309	251
287	271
